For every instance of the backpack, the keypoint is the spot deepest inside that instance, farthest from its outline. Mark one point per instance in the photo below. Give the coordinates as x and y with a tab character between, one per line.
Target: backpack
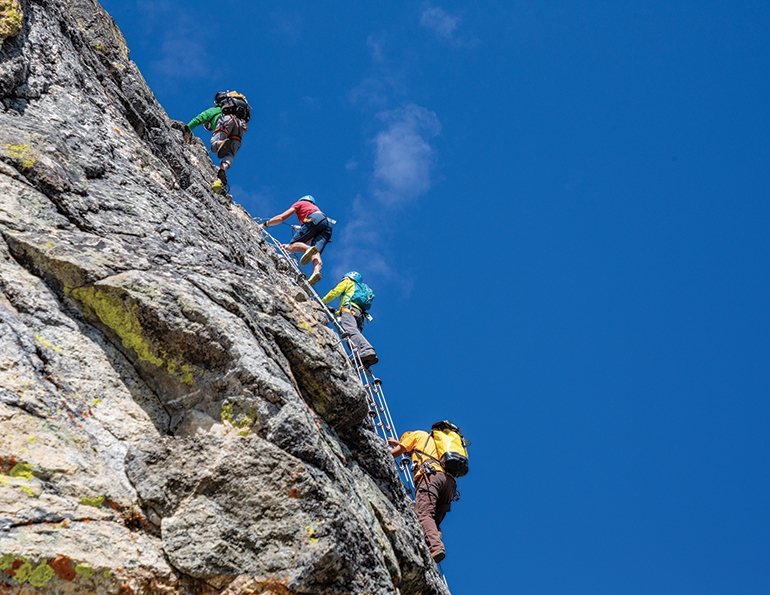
233	103
452	448
363	296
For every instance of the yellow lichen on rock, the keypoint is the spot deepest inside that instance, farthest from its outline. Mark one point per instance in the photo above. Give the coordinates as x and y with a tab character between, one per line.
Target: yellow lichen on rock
120	318
93	502
84	571
21	471
11	18
20	569
243	420
20	153
29	491
41	574
46	343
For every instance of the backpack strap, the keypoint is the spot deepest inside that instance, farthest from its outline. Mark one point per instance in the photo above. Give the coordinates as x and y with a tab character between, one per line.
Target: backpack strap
434	459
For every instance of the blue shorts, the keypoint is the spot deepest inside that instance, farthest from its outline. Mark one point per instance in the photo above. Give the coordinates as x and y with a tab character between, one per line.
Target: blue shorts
315	232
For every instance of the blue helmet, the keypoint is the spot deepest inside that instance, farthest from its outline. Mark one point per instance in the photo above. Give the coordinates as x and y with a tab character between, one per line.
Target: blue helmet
308	198
353	276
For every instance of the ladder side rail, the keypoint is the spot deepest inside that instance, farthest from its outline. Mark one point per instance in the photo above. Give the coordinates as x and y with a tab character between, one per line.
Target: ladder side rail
404	471
385	409
306	286
383	419
382	405
355	360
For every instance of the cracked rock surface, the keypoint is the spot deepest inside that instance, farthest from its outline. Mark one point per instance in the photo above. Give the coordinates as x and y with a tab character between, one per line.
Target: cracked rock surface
172	420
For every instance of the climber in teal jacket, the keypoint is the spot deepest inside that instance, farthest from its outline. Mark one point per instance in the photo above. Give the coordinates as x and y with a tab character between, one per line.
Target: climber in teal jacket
227	121
352	316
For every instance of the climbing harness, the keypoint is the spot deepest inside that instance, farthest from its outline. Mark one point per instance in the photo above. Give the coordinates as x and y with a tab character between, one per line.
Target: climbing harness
232	126
379	413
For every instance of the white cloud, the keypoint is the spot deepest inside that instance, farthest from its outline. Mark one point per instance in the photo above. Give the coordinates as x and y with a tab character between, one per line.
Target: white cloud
404	158
182	57
378	89
376	50
362	242
439	21
180	48
151	9
262	203
372	91
402	170
445	25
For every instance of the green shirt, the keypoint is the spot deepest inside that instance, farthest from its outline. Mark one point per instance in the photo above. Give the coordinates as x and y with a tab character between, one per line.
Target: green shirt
209	119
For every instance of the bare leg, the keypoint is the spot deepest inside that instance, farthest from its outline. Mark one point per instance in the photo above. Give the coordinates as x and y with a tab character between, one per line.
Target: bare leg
317	263
296	247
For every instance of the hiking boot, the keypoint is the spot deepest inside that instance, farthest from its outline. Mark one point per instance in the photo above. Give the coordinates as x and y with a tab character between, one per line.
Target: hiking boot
308	255
314	278
438	555
369	360
221	175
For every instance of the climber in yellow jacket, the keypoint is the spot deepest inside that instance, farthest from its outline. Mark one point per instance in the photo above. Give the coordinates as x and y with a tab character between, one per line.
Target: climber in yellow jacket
355	299
435	487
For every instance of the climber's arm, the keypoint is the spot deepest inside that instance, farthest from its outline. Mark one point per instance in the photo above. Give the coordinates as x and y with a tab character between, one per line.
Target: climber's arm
279	218
396	448
337	291
203	117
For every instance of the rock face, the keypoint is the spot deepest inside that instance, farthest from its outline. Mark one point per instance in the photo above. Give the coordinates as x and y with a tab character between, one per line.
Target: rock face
172	420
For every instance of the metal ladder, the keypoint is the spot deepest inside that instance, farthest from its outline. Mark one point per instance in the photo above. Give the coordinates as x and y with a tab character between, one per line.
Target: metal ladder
379	412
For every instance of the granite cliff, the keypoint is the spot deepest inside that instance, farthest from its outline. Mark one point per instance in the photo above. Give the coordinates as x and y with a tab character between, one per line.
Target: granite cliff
172	418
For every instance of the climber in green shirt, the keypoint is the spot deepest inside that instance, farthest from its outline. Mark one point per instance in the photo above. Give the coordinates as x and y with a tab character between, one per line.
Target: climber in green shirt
227	121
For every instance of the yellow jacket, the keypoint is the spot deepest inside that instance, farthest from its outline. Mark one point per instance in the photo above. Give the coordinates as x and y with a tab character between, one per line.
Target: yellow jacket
344	291
421	441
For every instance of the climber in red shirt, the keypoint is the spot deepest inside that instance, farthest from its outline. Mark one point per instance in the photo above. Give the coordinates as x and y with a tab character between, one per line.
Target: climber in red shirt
311	237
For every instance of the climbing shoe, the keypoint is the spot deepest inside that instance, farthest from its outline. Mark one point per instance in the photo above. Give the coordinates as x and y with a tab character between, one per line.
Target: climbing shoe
314	278
438	555
308	256
369	360
218	187
222	176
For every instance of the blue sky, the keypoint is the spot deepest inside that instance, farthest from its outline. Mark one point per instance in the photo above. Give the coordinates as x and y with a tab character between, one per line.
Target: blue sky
563	209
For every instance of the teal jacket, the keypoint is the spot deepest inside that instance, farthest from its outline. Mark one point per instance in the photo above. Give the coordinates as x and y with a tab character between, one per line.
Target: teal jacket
209	119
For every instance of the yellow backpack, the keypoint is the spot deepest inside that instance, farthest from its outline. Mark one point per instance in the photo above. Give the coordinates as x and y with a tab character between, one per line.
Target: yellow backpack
452	448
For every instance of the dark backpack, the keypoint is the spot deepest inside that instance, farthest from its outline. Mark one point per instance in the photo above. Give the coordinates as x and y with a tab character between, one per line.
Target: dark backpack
233	103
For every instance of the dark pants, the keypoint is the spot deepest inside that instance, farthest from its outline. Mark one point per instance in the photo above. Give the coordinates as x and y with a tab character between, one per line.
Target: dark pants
433	501
315	231
353	325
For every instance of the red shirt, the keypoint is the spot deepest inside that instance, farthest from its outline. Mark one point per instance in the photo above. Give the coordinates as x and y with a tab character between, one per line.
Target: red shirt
303	208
